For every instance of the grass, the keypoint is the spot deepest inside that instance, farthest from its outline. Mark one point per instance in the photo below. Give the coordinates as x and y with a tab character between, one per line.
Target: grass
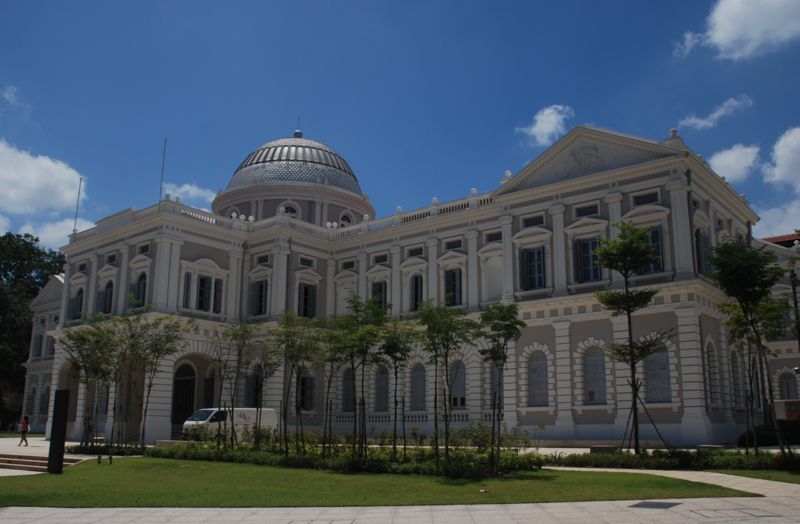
150	482
765	474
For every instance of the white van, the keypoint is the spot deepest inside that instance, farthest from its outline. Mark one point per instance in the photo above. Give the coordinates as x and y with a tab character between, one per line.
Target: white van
243	419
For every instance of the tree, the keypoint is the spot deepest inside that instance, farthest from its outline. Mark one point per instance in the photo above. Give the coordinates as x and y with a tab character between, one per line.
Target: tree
90	349
399	339
445	330
747	275
25	268
334	353
158	338
627	255
268	360
296	340
499	326
236	345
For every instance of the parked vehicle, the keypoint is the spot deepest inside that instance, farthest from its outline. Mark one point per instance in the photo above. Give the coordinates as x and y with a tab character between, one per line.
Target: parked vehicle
243	419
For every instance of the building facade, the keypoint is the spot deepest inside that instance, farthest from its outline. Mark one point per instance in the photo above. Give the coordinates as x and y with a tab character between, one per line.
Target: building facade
293	231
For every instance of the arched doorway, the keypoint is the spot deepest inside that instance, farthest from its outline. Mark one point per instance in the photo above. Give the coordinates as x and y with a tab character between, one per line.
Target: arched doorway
183	387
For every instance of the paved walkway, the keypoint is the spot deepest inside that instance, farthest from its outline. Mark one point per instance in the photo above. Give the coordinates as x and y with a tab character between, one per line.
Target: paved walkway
762	509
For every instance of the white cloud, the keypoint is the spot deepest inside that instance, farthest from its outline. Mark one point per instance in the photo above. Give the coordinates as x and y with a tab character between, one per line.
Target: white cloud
54	234
547	124
779	220
33	184
785	165
190	193
9	94
740	29
736	162
5	224
726	108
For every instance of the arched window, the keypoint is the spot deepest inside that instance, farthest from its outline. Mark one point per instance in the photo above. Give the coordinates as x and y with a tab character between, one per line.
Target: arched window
656	377
108	298
788	386
496	387
290	211
254	388
713	373
416	292
77	306
44	400
141	290
348	397
418	388
594	376
537	379
305	390
382	389
458	385
346	220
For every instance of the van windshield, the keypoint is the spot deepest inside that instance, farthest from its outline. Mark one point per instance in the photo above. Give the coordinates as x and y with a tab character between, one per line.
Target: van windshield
200	415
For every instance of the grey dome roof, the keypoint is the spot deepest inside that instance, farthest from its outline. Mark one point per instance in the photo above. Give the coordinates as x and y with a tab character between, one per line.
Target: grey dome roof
295	159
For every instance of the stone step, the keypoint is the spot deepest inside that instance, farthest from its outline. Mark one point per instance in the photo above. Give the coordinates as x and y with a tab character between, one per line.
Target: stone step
30	462
38	458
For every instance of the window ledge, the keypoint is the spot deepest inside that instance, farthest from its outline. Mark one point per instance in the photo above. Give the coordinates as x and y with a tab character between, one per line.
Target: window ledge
534	293
537	409
593	408
588	286
674	406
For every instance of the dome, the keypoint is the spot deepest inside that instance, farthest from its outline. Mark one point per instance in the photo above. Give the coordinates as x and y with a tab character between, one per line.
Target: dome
291	160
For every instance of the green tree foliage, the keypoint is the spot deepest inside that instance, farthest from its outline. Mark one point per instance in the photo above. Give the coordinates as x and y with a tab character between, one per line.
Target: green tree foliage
445	330
399	338
499	326
25	268
626	255
747	275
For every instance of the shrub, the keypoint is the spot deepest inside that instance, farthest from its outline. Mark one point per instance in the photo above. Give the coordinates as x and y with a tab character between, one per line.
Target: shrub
660	459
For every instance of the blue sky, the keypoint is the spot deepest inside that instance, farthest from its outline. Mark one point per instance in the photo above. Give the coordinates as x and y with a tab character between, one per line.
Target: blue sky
422	98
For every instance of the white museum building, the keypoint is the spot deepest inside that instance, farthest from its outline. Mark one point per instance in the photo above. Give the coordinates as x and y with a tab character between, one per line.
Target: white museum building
294	231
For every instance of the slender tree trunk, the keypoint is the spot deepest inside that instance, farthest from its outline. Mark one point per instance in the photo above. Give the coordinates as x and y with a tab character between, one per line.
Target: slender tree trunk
446	405
144	410
498	443
287	386
494	428
354	389
394	429
403	408
782	443
436	410
363	450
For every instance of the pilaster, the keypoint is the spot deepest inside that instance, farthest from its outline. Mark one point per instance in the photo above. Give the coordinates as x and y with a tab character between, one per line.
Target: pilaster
564	425
330	288
681	230
123	285
236	287
508	259
362	275
174	276
397	301
433	270
91	299
559	251
65	296
614	201
473	271
280	270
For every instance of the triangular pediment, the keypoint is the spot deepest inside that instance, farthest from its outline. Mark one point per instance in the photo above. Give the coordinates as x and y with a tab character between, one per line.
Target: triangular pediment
586	151
51	292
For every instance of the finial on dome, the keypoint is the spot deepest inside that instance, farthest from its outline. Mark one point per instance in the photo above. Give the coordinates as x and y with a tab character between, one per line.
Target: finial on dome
673	132
298	133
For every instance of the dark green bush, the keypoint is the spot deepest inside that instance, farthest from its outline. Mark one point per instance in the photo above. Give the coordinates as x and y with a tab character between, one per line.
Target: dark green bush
658	459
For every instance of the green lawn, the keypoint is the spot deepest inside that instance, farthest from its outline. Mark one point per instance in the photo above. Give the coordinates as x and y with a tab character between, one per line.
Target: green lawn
765	474
137	482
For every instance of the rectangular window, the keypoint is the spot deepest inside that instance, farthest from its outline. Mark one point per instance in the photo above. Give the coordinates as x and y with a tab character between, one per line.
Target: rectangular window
348	264
262	259
531	269
187	290
144	249
586	267
452	244
495	236
415	252
702	247
587	211
645	198
307	300
534	221
217	296
380	259
203	293
655	243
379	291
452	287
416	292
258	298
306	393
110	259
82	268
306	262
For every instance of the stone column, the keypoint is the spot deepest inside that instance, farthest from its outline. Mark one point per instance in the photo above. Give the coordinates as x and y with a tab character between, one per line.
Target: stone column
280	273
123	285
160	274
695	426
330	288
158	425
318	220
236	286
621	395
433	270
564	425
510	390
614	201
712	227
397	300
559	251
174	276
65	296
80	412
362	275
91	299
681	230
473	271
508	259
